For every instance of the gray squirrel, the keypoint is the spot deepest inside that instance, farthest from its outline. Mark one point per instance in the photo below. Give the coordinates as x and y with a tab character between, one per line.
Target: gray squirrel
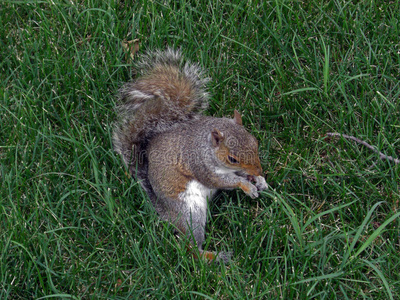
179	156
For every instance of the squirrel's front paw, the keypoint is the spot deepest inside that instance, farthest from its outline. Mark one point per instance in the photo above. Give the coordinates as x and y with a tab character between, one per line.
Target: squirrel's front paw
224	257
249	189
253	192
260	183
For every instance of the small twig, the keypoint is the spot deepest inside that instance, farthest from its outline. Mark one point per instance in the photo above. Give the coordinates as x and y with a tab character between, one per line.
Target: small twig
350	137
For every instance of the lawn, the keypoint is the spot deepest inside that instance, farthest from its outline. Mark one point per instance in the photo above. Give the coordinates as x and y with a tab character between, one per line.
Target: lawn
74	225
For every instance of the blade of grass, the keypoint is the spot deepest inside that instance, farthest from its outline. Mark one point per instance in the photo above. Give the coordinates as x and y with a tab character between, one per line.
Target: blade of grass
375	234
347	257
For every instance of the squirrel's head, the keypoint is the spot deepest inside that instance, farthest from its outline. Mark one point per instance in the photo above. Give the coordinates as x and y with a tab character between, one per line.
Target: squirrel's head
236	148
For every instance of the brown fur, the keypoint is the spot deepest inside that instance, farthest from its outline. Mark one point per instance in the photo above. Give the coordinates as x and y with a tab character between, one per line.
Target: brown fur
179	156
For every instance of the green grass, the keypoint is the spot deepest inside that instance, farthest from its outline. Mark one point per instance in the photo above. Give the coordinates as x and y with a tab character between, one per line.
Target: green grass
73	225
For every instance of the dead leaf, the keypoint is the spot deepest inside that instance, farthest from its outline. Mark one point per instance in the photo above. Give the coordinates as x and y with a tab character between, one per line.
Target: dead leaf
131	48
119	282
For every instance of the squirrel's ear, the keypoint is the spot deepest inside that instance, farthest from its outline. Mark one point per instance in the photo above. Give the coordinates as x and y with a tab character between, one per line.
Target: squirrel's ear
216	137
237	118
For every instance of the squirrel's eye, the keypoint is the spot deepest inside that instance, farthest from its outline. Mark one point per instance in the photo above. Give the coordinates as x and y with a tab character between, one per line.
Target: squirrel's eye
232	160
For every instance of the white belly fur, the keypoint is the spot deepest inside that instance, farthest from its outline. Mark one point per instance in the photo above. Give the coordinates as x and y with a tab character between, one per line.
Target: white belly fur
195	196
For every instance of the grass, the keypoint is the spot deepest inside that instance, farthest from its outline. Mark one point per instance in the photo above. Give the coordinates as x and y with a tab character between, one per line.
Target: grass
73	225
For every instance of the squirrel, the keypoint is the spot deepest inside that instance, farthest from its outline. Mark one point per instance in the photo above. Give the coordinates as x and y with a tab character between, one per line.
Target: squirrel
179	156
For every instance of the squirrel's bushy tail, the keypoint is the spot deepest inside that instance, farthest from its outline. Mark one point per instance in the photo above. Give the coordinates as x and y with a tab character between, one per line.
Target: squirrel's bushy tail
167	93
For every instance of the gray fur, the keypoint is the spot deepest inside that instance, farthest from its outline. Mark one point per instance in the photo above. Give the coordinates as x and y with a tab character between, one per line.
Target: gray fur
178	155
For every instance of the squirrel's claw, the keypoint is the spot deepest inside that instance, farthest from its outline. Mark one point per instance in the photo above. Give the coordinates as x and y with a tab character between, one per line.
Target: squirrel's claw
224	257
260	183
252	191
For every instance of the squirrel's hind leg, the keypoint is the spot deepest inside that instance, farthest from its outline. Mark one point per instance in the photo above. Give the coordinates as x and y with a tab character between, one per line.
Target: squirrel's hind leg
193	212
194	216
196	238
